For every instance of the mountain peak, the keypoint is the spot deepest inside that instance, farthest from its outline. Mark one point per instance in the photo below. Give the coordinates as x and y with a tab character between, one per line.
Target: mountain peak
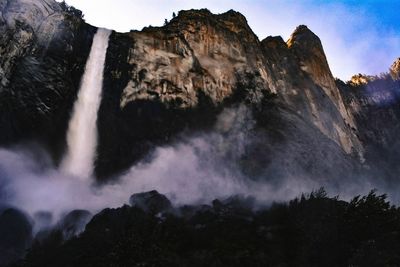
303	36
231	15
361	79
307	47
230	20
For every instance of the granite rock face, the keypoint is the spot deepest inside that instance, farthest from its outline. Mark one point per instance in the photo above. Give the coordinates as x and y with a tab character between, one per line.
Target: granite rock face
43	51
196	51
200	56
162	81
214	54
374	104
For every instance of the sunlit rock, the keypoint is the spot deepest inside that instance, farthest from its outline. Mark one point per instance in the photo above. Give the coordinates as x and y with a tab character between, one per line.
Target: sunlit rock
395	69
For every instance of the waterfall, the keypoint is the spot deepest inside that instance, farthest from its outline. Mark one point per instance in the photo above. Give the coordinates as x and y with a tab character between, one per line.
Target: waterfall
82	129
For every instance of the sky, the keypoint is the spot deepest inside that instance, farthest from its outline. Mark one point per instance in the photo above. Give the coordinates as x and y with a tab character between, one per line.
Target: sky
358	36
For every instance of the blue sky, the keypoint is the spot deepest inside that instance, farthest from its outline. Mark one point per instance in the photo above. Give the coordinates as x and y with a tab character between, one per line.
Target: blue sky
358	36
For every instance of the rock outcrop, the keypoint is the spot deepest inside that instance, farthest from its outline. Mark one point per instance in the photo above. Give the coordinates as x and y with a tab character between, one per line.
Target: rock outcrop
395	69
303	79
151	202
196	51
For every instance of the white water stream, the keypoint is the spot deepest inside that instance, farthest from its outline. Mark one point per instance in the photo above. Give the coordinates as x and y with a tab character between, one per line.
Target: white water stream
82	129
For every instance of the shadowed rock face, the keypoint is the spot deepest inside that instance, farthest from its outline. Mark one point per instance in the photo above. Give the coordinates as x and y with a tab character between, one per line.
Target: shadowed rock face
163	81
152	202
43	51
375	105
74	223
304	81
16	235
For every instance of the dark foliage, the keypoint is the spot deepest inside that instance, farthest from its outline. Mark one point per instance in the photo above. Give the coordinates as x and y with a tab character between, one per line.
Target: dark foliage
313	230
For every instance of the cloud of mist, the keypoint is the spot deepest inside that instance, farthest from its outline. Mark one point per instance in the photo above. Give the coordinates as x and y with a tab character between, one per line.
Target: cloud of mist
197	169
32	184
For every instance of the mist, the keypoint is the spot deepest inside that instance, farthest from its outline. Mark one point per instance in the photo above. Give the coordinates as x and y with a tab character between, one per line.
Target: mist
196	170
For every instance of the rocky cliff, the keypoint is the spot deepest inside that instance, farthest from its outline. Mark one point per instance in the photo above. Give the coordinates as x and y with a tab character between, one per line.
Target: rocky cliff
43	50
374	103
163	81
213	55
199	56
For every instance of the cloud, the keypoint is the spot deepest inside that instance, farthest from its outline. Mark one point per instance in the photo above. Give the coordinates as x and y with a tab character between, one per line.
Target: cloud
197	169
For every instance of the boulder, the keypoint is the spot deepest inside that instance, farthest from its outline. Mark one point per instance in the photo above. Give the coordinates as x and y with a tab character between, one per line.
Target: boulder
152	202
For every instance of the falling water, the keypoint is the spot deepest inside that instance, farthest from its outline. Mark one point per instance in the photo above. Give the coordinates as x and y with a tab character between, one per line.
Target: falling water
82	130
